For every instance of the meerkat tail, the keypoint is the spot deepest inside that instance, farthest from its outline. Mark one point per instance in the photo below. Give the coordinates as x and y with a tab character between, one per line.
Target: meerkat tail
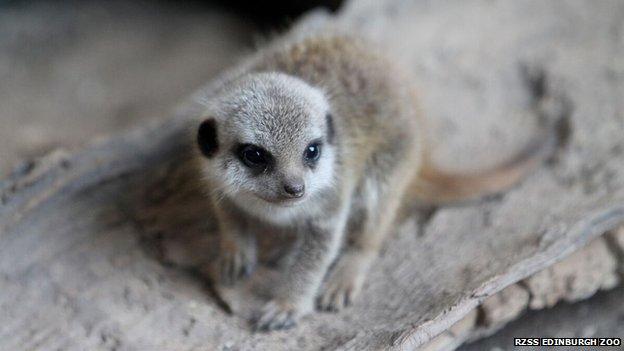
434	186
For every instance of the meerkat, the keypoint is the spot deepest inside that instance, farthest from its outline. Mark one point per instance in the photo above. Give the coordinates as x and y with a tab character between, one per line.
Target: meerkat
321	135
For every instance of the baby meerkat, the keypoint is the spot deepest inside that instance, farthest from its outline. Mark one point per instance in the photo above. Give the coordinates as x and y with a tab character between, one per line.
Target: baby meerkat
320	135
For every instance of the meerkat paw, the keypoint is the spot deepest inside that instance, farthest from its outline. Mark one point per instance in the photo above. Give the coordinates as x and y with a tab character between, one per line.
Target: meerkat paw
276	315
342	286
235	263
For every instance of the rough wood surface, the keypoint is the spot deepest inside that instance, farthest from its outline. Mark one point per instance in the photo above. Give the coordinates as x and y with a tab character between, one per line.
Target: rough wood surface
597	266
600	316
83	236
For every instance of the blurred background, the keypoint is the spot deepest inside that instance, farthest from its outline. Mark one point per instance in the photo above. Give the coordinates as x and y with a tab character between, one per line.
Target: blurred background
71	71
75	71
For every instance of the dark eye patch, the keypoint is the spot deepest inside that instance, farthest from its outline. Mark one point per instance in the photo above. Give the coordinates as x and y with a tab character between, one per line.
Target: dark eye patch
254	157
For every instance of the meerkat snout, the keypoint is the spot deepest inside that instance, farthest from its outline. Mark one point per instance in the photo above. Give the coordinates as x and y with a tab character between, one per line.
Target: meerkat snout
294	187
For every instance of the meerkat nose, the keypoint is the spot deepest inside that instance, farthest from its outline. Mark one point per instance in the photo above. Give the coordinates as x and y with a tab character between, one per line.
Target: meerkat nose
294	188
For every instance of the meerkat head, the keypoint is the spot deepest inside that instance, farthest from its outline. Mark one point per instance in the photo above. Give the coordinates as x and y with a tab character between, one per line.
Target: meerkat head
266	141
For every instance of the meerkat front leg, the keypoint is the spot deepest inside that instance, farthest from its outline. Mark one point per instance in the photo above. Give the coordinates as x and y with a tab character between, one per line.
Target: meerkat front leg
237	245
295	294
375	211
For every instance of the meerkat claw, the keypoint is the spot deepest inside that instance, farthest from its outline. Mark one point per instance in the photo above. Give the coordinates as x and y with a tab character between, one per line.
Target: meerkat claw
275	316
234	265
342	286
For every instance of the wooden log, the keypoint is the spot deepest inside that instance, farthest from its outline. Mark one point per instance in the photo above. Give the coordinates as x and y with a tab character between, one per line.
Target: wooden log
83	236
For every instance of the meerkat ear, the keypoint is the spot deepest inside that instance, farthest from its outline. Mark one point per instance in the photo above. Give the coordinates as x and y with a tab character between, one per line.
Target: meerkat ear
329	122
207	137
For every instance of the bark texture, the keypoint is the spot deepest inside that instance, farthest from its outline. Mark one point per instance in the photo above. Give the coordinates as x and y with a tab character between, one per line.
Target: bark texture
83	236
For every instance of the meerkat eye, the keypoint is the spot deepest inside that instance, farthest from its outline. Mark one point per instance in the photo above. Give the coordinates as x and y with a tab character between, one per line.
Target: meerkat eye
253	156
312	152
